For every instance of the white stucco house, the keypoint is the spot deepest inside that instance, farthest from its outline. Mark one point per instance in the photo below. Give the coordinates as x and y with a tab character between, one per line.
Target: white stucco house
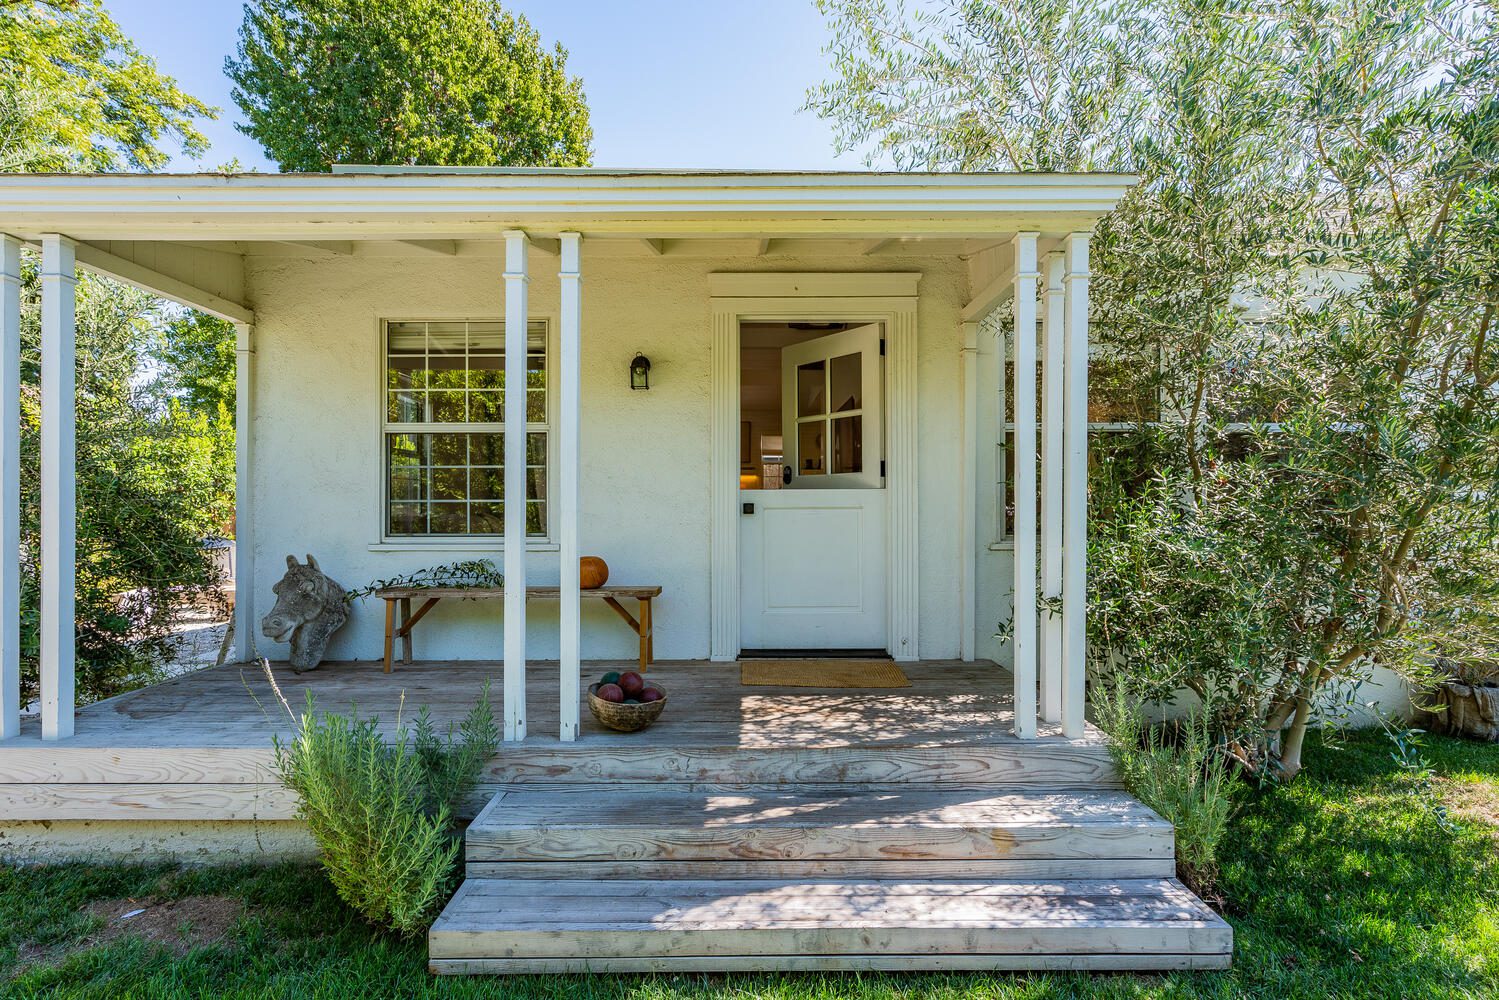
813	466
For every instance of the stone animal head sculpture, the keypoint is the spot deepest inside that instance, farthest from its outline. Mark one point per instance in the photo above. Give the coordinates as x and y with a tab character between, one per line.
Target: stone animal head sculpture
310	607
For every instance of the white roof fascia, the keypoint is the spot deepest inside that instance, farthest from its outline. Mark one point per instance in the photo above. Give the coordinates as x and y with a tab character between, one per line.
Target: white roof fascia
447	205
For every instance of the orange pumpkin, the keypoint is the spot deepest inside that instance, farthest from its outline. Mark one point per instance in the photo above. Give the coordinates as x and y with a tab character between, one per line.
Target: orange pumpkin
593	572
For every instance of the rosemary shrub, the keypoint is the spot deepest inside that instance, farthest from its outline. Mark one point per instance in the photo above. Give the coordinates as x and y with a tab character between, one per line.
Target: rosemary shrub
1185	780
382	811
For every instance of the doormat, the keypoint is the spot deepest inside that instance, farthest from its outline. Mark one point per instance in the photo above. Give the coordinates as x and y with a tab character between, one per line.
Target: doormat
822	674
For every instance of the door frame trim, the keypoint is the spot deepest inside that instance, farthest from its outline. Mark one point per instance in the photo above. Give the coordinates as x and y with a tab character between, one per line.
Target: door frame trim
888	298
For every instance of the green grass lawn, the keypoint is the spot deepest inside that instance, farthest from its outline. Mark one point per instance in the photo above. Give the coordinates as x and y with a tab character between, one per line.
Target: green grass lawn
1343	885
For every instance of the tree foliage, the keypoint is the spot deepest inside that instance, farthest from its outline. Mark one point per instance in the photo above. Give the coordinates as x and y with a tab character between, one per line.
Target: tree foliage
1298	298
456	82
154	478
77	95
155	441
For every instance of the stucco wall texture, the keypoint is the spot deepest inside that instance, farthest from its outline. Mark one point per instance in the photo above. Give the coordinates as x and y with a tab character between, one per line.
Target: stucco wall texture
644	489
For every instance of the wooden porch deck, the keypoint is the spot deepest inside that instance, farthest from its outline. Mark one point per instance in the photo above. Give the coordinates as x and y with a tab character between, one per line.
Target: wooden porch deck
198	747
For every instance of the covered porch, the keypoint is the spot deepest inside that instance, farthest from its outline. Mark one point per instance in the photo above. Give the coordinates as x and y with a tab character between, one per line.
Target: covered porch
747	246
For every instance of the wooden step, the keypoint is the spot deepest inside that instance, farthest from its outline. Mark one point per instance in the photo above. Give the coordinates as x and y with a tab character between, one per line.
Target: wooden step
663	825
1049	763
519	926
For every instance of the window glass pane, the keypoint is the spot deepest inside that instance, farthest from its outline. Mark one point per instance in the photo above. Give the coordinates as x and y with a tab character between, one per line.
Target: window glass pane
848	444
451	372
810	448
810	389
846	375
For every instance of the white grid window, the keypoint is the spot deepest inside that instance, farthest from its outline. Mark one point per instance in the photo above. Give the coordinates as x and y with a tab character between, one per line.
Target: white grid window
444	428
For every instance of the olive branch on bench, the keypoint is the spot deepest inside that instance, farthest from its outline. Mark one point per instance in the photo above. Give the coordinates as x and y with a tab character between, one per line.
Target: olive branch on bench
468	573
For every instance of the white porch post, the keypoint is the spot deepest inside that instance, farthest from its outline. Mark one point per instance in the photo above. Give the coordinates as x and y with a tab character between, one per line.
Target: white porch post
1075	491
570	278
244	490
10	486
1052	368
1024	390
968	611
59	492
516	309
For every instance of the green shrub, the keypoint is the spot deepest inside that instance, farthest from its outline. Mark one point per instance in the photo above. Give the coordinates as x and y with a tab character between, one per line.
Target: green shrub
1186	780
382	811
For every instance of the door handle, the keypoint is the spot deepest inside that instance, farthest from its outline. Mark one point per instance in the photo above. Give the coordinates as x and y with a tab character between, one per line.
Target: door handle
748	508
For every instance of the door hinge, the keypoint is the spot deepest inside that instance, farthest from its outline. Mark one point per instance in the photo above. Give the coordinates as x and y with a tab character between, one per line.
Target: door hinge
882	347
882	468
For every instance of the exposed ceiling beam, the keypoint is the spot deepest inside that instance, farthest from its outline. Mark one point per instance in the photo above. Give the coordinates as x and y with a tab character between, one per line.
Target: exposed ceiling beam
443	248
657	247
323	248
142	277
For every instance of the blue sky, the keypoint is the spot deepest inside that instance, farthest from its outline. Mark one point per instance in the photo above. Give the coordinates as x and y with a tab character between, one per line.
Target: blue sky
670	83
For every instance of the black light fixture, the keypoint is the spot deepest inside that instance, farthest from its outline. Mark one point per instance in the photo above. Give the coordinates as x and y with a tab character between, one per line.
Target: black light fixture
640	372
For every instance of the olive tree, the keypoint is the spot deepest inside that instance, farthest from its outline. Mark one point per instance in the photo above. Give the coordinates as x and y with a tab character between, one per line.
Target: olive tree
460	82
1297	302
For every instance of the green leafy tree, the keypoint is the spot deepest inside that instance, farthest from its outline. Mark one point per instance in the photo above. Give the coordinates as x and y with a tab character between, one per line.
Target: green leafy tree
77	95
153	480
455	82
155	457
194	355
1296	302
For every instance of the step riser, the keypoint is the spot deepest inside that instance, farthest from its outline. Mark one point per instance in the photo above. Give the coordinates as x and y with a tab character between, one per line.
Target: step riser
1054	766
829	963
892	843
786	939
1065	868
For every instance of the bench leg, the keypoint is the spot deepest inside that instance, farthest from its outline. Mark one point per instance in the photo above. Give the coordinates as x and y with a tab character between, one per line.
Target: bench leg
390	627
405	630
647	641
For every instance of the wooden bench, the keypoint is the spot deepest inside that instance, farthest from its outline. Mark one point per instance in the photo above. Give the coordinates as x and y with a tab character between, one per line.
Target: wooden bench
429	596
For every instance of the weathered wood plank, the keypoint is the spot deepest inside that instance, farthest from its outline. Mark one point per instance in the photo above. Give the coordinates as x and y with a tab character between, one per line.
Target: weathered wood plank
145	801
881	868
577	920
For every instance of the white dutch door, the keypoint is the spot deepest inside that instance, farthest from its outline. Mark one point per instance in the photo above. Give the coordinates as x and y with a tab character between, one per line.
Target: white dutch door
812	546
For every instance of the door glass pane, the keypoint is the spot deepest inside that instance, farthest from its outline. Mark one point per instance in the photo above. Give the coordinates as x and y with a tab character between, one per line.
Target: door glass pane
811	448
847	378
811	398
848	443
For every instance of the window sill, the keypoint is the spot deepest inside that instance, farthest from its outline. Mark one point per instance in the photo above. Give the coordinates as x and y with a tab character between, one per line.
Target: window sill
475	546
1008	545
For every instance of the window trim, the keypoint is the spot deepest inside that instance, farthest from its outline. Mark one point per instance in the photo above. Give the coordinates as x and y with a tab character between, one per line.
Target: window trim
465	544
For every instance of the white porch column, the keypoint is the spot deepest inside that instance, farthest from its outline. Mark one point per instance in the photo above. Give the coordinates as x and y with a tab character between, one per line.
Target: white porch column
10	486
1075	491
59	492
516	309
244	492
570	278
968	611
1024	394
1052	367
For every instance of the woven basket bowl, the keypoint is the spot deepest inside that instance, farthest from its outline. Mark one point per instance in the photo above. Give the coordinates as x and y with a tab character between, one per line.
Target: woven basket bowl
624	718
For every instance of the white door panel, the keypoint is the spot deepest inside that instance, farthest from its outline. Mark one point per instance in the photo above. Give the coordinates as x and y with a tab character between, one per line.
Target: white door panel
812	569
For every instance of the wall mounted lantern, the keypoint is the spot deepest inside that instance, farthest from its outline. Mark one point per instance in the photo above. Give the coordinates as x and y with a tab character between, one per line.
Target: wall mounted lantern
640	372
